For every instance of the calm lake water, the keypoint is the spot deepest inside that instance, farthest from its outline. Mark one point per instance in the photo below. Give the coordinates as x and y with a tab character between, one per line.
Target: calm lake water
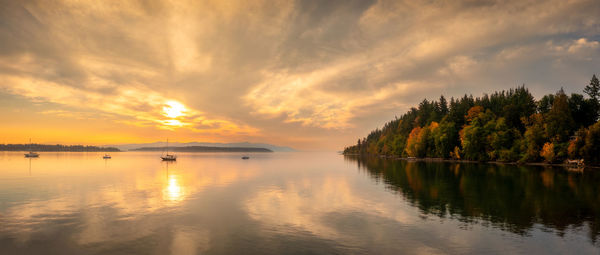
290	203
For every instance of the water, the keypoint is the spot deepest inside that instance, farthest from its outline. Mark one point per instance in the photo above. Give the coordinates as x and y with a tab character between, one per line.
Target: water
292	203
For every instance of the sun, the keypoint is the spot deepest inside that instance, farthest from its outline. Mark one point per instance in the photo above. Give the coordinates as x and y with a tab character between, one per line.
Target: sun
174	109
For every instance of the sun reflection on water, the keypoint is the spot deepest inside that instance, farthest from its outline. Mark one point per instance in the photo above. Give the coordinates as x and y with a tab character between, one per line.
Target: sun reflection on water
134	185
174	191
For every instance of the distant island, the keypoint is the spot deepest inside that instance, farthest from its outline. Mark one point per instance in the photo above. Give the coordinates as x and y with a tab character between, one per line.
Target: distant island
506	126
56	147
131	146
204	149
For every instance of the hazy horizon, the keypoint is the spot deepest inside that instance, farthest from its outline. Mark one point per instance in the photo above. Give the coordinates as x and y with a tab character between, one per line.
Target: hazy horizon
311	75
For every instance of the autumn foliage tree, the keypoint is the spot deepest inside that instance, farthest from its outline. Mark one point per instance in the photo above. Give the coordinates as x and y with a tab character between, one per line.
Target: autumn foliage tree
413	148
591	149
504	126
548	152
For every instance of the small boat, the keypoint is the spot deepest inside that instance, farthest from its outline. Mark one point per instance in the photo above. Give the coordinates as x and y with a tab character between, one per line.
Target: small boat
168	157
245	157
106	156
31	154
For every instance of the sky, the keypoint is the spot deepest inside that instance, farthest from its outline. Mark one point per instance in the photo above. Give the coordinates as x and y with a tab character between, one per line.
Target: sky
313	75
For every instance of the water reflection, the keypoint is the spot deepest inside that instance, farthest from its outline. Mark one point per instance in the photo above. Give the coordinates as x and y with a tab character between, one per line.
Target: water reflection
512	198
173	192
303	203
330	208
80	192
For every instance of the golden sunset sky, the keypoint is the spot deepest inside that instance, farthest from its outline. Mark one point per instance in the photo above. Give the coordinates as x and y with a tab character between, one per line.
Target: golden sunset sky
306	74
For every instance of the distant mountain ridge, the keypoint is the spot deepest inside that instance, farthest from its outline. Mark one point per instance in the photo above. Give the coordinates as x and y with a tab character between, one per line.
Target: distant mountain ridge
204	149
126	147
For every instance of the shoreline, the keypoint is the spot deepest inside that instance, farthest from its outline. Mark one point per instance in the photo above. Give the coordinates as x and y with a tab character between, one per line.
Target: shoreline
159	151
54	151
569	166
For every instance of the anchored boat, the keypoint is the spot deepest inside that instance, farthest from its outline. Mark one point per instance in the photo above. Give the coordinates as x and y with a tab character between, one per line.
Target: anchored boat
31	153
167	156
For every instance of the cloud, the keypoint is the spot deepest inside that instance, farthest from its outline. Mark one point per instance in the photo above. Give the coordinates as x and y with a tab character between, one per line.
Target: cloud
450	42
276	69
142	107
582	44
124	77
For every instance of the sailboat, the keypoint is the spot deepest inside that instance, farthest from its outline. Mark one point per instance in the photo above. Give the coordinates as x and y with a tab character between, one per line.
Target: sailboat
31	154
168	157
106	156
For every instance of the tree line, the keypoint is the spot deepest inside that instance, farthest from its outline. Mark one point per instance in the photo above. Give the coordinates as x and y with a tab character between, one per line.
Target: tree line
506	126
50	147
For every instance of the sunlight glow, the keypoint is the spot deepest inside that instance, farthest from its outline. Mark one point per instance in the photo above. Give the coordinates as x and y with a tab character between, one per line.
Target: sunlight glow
173	191
173	123
174	109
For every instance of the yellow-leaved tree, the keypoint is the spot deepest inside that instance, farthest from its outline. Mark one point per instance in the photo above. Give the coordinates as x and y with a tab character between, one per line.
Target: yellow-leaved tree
412	142
548	152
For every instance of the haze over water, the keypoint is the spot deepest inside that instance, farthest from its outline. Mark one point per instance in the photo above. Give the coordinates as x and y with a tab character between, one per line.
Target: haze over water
275	203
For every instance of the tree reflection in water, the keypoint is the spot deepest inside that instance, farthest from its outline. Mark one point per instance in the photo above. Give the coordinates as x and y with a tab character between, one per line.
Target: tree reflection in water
509	197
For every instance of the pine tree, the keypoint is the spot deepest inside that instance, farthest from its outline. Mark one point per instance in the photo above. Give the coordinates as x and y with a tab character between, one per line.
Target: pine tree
443	105
593	90
559	121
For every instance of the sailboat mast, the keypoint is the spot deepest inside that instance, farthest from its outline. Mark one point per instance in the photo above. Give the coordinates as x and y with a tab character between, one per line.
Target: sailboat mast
168	157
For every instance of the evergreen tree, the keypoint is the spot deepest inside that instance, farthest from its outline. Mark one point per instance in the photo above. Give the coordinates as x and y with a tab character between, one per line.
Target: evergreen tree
445	138
583	110
559	122
545	104
502	126
443	105
593	89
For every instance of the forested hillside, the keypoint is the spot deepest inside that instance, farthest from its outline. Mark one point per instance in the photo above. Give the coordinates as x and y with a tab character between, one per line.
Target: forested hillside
509	126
